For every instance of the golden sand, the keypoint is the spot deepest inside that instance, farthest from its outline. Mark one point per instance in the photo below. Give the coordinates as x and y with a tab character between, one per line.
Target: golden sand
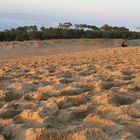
88	95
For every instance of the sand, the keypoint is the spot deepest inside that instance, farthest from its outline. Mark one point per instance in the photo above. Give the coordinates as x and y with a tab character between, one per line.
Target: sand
59	46
87	95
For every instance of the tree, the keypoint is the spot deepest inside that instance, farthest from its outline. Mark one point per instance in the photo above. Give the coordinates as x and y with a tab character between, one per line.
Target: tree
65	25
67	30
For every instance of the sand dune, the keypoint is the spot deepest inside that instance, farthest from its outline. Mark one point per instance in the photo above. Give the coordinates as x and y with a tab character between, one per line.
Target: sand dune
57	46
88	95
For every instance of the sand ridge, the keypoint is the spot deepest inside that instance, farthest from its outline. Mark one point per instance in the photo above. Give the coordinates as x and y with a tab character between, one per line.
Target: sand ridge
75	96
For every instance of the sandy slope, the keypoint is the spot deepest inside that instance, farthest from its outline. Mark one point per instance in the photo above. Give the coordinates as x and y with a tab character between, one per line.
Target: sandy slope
92	95
57	46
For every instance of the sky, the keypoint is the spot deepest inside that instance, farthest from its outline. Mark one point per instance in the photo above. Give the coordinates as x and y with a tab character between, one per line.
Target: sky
15	13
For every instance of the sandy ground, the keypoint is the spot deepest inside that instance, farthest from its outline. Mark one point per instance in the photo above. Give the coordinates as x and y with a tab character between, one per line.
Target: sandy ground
87	95
53	46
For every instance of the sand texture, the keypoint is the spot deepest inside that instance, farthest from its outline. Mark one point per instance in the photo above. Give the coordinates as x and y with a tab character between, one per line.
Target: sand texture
60	46
88	95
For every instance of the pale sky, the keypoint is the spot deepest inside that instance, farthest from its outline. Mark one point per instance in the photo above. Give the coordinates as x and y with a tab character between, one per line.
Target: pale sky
50	12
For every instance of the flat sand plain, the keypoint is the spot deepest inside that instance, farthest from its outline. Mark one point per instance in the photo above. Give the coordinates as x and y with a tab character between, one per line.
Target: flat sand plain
86	95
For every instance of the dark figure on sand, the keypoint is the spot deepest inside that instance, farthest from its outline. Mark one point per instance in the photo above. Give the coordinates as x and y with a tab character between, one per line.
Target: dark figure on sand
124	44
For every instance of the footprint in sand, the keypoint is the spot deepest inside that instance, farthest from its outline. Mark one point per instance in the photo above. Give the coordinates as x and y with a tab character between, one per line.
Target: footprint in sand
120	99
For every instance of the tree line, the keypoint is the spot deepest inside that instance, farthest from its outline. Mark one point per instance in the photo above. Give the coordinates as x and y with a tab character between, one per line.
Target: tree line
67	31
